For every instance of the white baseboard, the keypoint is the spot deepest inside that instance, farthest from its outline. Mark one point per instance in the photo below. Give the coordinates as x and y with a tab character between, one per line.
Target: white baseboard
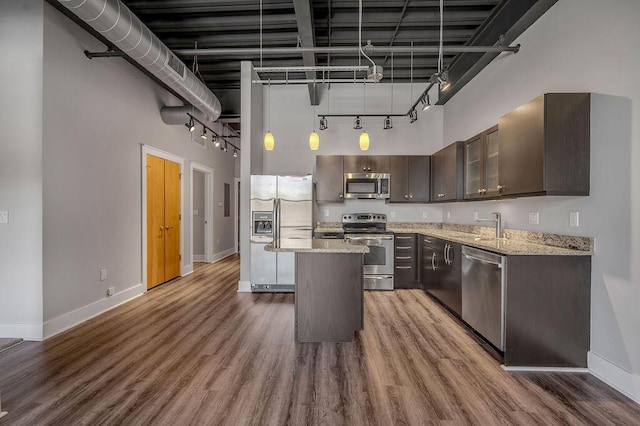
546	369
22	330
219	256
199	258
244	286
70	319
618	378
187	269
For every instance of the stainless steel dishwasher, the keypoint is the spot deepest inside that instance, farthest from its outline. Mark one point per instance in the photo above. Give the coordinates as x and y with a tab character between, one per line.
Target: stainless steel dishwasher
483	293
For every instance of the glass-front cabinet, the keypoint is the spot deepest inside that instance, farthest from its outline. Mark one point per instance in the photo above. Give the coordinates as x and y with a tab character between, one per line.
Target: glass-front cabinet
481	174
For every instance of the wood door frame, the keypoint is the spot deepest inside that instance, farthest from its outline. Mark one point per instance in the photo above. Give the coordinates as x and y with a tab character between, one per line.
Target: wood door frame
146	149
208	209
236	213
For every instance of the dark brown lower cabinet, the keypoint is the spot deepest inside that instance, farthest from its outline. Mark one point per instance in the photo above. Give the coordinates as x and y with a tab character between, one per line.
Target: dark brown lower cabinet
405	261
441	272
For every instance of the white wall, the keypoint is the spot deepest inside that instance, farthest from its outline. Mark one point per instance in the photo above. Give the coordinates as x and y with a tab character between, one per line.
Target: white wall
293	119
97	113
578	46
21	47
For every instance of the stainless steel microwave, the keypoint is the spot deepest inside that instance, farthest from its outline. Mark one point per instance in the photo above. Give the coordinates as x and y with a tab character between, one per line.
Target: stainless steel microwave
366	185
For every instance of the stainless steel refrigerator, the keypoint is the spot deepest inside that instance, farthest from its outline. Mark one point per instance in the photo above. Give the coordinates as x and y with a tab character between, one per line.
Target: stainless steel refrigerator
280	205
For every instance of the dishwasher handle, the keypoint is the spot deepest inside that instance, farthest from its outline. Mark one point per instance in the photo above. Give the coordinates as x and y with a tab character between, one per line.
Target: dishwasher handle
485	261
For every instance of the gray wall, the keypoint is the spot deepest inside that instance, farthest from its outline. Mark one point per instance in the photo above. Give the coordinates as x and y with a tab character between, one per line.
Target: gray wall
97	113
198	213
21	49
563	52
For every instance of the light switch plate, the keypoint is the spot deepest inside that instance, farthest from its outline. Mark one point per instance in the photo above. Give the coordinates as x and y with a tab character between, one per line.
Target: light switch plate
424	214
103	274
448	215
326	212
4	217
534	218
475	215
574	218
195	212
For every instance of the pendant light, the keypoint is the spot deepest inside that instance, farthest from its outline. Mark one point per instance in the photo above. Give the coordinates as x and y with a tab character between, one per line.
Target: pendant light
314	139
364	136
269	142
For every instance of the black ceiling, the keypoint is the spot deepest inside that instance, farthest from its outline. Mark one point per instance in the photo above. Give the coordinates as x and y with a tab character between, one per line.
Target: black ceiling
232	24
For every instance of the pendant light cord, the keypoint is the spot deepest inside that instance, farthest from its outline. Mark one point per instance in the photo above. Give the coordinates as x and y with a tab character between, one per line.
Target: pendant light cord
441	34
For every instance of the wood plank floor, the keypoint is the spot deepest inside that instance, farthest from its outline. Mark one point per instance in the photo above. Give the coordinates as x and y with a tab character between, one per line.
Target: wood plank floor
196	352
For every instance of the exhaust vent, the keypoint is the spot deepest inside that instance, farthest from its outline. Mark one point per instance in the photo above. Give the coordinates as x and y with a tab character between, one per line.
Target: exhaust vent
114	21
176	64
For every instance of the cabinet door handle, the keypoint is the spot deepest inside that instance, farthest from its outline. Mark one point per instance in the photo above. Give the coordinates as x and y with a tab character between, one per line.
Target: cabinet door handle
410	195
368	169
403	267
403	257
479	191
340	195
433	261
404	247
500	188
403	238
406	196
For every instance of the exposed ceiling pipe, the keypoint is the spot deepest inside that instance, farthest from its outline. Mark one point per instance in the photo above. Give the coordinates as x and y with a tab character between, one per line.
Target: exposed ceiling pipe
114	21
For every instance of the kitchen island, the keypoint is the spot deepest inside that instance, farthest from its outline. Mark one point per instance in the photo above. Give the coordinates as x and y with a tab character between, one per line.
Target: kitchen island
329	302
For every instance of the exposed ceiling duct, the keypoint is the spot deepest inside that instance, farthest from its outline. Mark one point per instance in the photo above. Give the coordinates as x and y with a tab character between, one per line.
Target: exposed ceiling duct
114	21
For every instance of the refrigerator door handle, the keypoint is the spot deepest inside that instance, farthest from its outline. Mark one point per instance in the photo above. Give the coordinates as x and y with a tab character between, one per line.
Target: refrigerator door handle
276	221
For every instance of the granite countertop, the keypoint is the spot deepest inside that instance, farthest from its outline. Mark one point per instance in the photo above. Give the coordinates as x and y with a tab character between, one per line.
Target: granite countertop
508	246
328	229
317	246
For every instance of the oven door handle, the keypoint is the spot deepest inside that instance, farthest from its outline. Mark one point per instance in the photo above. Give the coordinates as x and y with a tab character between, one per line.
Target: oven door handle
369	238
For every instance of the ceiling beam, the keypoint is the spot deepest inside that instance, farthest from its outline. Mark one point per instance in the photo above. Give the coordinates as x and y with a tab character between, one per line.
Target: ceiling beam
303	9
511	18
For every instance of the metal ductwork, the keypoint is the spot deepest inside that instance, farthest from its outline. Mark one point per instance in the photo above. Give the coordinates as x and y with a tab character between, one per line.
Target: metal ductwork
113	20
178	114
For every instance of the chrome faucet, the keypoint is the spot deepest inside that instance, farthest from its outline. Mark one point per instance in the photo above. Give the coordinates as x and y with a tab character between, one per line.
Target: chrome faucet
497	221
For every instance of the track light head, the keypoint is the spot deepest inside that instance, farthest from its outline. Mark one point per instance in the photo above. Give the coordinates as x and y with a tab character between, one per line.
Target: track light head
426	104
323	123
357	123
388	124
443	80
413	116
216	142
204	133
235	153
190	125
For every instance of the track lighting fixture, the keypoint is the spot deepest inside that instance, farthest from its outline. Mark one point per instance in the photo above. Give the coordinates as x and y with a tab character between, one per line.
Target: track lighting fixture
426	104
413	116
357	123
388	124
215	137
191	125
323	123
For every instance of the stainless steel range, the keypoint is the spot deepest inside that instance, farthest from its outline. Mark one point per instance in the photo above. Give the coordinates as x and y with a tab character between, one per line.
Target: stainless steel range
378	263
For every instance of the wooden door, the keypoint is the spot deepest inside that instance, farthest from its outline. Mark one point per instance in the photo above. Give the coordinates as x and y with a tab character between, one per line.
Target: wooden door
163	220
171	220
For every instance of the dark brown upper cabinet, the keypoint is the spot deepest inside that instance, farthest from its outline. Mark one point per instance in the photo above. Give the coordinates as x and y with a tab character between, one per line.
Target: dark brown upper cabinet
409	178
544	146
481	156
447	173
329	179
366	163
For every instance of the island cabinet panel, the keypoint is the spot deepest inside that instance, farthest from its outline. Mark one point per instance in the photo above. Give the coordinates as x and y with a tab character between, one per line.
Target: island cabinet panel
447	173
544	146
329	179
548	304
329	302
405	262
366	164
410	175
481	159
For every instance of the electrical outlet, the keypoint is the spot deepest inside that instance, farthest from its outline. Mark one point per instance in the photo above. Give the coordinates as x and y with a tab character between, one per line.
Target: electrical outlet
424	214
574	218
326	212
4	217
475	215
103	274
448	215
534	218
392	214
111	291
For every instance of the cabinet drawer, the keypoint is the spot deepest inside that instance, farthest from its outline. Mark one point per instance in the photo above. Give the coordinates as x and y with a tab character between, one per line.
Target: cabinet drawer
406	275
